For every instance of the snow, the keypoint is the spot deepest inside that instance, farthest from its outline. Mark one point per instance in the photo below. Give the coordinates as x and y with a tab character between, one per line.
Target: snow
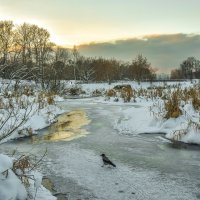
137	119
10	186
117	183
192	137
140	120
6	163
12	112
37	190
44	117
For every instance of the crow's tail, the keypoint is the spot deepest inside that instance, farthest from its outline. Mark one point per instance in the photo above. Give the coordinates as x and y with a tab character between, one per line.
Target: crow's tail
113	164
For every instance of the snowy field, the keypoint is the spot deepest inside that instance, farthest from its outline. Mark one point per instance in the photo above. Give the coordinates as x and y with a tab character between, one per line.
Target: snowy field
126	120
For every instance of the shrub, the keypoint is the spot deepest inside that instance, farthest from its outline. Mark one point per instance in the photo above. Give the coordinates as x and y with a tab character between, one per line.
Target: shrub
195	98
111	93
96	93
75	90
120	87
172	106
50	100
125	91
126	94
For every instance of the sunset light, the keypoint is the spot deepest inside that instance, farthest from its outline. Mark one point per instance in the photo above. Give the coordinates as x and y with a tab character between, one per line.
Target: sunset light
111	28
99	99
78	22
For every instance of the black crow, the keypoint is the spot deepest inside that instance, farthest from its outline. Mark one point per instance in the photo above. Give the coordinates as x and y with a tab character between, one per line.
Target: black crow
106	161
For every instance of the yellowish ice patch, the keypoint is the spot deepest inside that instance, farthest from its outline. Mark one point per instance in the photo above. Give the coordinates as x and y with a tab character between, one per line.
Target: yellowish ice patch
68	127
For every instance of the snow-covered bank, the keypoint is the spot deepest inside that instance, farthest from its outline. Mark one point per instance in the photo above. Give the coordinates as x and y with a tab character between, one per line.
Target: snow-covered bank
11	186
138	120
141	120
22	112
141	164
31	118
149	114
132	120
9	181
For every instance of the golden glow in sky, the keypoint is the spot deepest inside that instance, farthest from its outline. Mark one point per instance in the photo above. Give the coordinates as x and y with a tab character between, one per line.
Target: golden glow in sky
73	22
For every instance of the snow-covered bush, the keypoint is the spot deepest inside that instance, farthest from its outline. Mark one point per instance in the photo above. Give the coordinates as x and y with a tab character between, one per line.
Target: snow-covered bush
182	104
10	185
20	181
14	114
75	90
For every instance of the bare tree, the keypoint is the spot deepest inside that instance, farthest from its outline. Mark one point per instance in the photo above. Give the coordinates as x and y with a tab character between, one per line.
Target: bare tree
6	39
23	39
85	69
62	55
140	69
190	68
176	74
105	69
41	46
75	57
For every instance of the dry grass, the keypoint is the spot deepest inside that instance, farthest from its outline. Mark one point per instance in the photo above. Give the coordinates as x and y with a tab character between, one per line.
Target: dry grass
172	106
2	104
195	96
20	167
24	165
124	91
111	93
50	100
126	94
178	134
96	93
45	98
28	91
168	94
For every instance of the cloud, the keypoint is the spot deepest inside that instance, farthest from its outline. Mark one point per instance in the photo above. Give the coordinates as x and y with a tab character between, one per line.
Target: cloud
164	52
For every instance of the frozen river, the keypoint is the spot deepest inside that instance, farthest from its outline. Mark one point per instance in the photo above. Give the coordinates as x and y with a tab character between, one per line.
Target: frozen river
148	166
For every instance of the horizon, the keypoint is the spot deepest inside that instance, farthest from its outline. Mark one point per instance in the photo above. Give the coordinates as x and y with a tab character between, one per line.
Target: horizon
94	48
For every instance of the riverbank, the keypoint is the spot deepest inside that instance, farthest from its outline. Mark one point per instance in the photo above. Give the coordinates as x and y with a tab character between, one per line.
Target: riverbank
148	168
103	125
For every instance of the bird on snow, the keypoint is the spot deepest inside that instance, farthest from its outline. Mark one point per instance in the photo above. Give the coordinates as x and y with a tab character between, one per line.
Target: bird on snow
106	161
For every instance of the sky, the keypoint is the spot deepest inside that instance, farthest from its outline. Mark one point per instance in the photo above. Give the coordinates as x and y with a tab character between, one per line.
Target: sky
78	22
73	22
164	52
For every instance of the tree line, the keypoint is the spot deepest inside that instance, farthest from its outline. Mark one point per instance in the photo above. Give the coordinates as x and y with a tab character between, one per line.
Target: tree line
26	52
189	69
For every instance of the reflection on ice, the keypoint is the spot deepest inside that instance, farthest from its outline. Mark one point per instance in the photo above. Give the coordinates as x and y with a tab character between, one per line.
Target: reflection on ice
68	127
